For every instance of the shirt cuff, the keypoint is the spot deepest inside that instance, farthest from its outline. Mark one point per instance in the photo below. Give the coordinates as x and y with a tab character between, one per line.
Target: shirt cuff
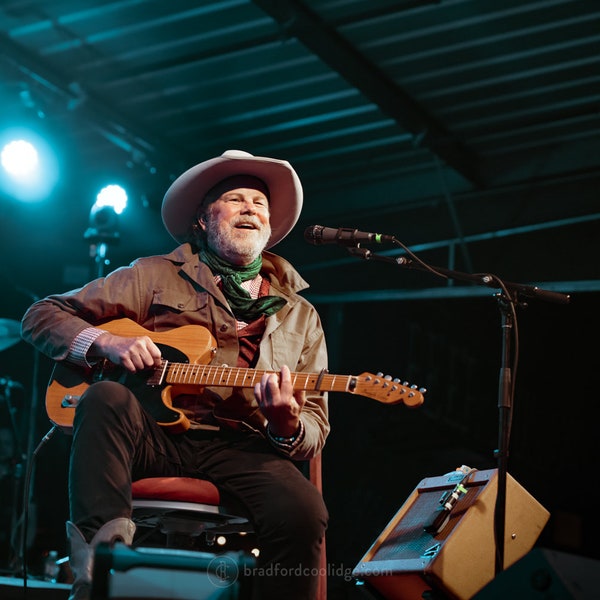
81	344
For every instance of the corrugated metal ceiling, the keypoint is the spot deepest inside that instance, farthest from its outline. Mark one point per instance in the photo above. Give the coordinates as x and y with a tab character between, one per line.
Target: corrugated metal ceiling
442	122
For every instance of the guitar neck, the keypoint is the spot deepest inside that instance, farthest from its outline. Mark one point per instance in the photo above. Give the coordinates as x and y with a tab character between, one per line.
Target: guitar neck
206	375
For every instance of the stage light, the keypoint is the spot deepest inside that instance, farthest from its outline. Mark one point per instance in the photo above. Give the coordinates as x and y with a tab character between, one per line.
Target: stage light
19	158
104	214
104	224
29	166
112	195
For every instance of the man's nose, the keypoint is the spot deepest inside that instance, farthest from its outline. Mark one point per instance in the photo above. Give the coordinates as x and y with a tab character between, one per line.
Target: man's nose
248	206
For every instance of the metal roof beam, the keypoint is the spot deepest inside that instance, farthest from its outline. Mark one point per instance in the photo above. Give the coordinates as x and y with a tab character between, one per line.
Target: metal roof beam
299	21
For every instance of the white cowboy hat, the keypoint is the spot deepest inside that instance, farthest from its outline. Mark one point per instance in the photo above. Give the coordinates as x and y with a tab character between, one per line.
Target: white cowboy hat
185	194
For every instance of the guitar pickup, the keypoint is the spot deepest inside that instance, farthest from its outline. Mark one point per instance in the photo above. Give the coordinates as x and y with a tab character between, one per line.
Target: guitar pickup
70	401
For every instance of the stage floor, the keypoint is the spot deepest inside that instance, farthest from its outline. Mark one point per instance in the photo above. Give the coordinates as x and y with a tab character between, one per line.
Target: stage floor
13	588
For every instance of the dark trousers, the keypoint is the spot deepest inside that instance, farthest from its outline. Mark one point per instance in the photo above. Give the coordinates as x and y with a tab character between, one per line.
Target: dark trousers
116	442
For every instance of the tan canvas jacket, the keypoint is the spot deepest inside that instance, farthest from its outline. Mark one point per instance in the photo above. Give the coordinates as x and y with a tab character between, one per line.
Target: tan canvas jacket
164	292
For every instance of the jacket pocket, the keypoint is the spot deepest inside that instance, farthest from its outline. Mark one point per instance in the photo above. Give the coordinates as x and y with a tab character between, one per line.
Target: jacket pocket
177	302
286	347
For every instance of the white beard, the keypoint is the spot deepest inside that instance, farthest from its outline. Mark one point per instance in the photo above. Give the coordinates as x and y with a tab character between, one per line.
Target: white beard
238	246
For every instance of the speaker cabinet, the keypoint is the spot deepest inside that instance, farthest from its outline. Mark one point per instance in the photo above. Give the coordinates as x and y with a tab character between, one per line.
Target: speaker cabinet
405	561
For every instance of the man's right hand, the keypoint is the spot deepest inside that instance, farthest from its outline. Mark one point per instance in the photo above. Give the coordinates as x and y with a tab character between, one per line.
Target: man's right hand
131	353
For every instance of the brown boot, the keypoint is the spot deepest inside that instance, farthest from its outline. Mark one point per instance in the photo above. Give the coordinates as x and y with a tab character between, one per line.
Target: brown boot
81	558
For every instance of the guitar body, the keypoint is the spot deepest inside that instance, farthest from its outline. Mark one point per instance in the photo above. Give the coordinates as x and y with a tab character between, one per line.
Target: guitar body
191	344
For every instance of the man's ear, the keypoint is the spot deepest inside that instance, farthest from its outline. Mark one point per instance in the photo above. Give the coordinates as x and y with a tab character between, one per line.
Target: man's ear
202	222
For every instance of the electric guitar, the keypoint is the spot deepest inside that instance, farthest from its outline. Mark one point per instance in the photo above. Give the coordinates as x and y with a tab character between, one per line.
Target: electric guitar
185	369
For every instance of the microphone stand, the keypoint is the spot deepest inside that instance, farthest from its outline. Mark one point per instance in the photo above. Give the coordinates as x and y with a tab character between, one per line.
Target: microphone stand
17	459
507	300
28	485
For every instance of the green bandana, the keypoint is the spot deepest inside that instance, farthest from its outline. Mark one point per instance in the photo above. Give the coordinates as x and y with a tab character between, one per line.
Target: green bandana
243	306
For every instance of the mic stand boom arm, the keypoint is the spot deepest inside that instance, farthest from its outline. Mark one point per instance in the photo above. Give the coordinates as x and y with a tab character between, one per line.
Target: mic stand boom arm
506	301
485	279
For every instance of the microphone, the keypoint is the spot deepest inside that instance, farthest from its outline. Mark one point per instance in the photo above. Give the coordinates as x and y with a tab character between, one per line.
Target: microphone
317	235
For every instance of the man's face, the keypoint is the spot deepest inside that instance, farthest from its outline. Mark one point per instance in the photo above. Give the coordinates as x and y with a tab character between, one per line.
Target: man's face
237	225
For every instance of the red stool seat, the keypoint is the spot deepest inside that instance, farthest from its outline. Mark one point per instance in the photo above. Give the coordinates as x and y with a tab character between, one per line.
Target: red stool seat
176	489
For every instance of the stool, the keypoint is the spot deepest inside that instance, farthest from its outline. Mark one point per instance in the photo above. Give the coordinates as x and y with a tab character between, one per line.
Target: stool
185	508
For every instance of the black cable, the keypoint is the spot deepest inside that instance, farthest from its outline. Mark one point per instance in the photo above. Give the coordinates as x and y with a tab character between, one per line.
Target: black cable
25	516
448	501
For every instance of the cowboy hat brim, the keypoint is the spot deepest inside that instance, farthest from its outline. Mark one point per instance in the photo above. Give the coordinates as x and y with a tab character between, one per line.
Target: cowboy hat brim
181	201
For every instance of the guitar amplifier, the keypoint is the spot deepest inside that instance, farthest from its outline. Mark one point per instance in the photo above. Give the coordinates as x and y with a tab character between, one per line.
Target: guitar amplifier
406	561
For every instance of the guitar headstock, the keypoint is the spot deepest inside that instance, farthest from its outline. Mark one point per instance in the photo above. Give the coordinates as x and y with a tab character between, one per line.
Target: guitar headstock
384	389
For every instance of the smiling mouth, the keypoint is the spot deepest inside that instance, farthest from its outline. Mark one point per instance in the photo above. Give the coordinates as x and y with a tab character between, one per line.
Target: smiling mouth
247	226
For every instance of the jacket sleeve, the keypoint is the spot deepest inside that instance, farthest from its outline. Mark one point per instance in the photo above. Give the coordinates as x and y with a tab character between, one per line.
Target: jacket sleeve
52	323
304	331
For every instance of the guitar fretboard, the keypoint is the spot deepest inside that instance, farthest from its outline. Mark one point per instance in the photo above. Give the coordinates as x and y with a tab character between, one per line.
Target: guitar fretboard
183	373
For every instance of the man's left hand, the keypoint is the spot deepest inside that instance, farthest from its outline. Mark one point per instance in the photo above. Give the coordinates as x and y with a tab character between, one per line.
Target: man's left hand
279	403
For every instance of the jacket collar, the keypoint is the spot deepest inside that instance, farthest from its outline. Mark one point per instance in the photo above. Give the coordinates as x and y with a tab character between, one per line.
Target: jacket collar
282	275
